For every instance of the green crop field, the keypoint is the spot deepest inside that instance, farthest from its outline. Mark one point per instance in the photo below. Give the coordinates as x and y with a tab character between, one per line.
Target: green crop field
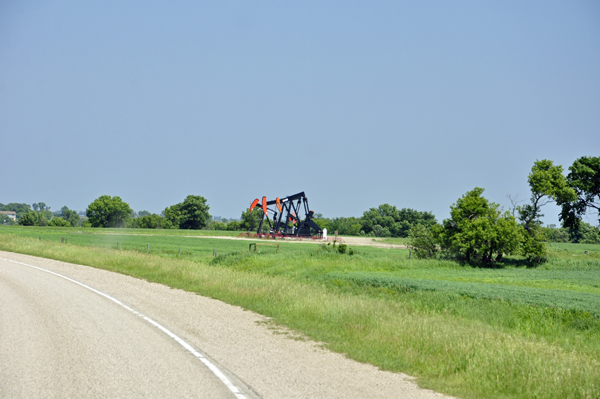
511	331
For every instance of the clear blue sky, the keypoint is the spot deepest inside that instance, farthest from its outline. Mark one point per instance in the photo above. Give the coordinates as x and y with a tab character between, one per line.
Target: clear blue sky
355	103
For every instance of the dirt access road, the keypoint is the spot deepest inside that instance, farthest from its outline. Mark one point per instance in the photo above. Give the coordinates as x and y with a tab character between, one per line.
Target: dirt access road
118	351
357	241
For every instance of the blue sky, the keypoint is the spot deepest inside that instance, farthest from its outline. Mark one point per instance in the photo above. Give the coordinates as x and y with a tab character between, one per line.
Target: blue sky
355	103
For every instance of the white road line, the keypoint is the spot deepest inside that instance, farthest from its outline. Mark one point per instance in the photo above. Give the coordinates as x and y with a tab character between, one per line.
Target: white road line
180	341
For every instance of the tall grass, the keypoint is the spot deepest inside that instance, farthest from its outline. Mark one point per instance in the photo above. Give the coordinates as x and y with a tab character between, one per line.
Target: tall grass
461	345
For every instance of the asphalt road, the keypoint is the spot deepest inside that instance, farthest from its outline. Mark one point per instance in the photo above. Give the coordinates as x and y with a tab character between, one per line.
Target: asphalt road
61	340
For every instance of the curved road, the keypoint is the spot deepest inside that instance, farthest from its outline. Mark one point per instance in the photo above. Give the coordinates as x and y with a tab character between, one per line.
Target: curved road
59	339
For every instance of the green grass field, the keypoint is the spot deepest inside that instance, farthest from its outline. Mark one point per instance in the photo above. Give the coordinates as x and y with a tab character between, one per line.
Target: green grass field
507	332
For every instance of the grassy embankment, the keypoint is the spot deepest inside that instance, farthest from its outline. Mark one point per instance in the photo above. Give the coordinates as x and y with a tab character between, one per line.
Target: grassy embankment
508	332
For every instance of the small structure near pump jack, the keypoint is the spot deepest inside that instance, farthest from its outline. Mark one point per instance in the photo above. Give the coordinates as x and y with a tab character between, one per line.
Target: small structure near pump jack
287	217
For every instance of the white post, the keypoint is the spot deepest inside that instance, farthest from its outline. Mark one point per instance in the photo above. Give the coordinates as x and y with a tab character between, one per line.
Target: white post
324	234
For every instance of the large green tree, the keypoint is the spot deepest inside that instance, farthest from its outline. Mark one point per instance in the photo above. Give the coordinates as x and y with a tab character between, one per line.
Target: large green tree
584	179
107	211
478	231
547	183
192	213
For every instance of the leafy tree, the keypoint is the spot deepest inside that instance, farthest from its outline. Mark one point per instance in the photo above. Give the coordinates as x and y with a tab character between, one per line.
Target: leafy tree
173	214
478	231
250	220
192	213
33	218
69	215
397	221
107	211
20	209
422	241
547	184
584	179
59	222
43	208
144	213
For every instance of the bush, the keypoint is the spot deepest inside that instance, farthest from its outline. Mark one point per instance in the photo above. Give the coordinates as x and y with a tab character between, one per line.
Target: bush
152	221
59	222
33	218
422	242
478	231
380	231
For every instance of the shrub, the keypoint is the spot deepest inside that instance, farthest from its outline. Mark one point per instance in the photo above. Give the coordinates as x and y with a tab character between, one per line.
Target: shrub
59	222
422	242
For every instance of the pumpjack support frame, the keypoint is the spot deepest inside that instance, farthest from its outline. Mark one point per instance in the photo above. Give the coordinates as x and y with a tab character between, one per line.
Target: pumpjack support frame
288	222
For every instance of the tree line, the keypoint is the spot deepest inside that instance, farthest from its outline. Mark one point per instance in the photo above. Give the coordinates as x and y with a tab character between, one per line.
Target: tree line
478	230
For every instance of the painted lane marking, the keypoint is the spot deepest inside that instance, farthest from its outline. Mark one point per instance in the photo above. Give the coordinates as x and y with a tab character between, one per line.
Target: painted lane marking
211	366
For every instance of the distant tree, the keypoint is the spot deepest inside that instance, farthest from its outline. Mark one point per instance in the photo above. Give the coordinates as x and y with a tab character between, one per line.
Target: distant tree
380	231
217	225
107	211
173	214
348	226
250	220
33	218
478	231
547	184
144	213
322	222
40	206
233	225
69	215
397	221
192	213
59	222
583	233
152	221
554	234
20	209
584	179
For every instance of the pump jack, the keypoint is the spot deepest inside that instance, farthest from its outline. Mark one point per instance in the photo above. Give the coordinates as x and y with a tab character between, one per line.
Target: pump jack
287	222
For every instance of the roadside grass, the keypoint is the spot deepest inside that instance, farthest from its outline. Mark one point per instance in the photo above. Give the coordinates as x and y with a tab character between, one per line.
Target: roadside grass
467	331
27	230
